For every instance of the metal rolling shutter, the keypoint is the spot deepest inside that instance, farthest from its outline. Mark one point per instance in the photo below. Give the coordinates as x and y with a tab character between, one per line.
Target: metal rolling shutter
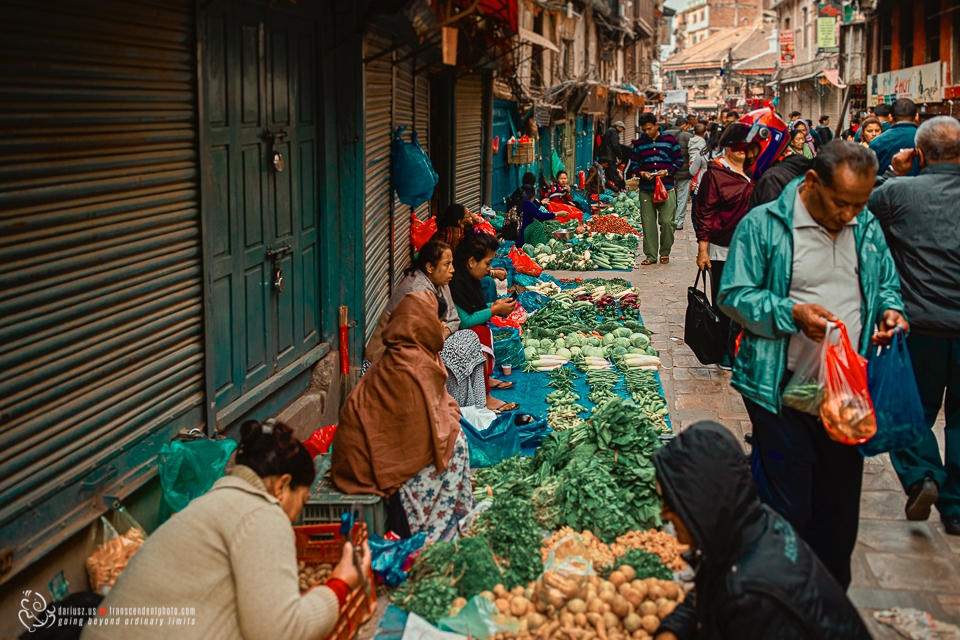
101	337
629	127
421	116
403	110
378	86
469	102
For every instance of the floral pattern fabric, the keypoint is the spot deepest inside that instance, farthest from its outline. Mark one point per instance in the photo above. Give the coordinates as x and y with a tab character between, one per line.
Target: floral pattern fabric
435	502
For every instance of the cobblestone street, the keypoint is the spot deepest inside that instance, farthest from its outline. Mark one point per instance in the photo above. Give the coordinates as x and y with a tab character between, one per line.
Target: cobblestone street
896	562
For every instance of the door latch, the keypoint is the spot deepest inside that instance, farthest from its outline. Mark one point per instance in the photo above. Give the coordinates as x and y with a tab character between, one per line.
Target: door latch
275	253
278	279
273	138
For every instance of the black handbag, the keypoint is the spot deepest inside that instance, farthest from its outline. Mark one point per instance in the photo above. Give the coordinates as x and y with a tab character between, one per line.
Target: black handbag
701	330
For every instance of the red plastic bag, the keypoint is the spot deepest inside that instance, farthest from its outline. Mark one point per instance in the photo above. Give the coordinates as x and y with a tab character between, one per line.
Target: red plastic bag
523	263
320	441
485	227
565	212
660	192
421	231
516	318
832	384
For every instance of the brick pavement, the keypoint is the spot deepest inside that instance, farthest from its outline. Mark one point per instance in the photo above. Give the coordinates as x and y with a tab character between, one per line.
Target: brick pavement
896	562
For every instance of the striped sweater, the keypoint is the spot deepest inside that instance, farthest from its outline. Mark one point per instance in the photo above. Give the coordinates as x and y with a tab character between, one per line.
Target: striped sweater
655	155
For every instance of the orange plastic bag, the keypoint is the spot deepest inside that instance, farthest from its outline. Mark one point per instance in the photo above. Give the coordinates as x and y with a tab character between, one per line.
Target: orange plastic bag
523	263
832	384
565	212
421	231
660	192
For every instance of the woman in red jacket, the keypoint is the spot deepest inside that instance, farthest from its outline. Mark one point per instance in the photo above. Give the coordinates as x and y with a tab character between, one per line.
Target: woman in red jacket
722	201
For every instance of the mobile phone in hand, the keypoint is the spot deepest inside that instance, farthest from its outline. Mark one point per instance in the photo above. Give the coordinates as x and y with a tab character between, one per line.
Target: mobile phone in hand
514	295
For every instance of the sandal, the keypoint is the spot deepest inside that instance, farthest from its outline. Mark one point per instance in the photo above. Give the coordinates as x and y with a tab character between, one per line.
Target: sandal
664	259
500	384
647	262
506	406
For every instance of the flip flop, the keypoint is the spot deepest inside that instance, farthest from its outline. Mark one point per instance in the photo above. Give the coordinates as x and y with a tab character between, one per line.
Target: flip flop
506	406
664	259
500	384
647	262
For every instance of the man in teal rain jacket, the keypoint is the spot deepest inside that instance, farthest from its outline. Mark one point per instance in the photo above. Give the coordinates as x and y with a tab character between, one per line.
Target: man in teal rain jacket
814	255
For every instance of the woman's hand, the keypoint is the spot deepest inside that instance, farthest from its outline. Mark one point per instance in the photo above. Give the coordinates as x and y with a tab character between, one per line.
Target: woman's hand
503	307
347	571
499	274
703	258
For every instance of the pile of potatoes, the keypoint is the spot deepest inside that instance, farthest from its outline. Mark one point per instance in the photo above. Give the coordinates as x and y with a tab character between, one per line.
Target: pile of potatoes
311	575
619	608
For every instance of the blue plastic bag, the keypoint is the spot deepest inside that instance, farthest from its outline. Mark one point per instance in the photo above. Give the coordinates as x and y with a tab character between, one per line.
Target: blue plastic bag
532	301
389	556
494	444
477	619
412	172
508	347
532	429
896	399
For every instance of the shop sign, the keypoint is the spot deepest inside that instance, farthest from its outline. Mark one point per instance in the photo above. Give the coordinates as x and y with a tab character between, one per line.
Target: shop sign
676	96
828	27
921	84
788	52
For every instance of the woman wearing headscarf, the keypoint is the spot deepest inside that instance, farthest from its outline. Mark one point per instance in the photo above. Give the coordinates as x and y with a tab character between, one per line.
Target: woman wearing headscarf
462	354
471	263
399	433
811	147
452	223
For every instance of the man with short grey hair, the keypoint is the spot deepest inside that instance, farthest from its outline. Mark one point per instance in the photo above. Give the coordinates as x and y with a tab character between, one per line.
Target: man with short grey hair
919	218
815	255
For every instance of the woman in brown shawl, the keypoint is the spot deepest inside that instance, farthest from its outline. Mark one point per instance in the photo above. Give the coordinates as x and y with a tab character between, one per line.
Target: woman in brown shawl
399	435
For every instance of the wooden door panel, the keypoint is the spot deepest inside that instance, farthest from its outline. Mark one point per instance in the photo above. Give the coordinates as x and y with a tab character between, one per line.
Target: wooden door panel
258	70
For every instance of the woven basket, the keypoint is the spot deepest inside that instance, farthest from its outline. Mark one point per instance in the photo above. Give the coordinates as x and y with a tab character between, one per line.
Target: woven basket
524	153
633	184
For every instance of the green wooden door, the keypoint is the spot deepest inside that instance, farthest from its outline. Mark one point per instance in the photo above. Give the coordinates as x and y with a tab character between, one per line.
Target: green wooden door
259	193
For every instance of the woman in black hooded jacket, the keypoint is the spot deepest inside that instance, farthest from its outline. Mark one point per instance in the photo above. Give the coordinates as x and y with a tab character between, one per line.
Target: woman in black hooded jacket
755	578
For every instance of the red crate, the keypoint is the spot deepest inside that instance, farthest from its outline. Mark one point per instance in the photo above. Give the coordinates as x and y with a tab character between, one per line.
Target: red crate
322	543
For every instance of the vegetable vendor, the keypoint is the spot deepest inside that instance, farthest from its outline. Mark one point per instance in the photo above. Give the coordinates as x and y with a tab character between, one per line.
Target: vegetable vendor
476	304
452	223
462	354
399	434
231	554
524	200
755	578
559	191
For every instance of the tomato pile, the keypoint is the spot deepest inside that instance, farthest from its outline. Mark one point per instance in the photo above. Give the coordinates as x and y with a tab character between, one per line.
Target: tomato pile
611	224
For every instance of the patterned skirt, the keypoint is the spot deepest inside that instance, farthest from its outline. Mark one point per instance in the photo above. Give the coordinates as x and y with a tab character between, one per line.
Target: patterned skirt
436	502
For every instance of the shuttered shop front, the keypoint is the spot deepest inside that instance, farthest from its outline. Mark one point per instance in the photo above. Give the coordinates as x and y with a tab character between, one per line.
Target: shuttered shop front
378	96
469	125
101	353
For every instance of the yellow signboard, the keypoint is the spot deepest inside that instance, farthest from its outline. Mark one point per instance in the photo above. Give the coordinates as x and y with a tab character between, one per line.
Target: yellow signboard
826	33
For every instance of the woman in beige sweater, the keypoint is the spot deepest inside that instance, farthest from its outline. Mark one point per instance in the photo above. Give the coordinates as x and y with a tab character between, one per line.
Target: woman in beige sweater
230	556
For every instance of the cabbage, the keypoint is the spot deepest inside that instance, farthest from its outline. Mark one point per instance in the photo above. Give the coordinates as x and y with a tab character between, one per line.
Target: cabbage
622	342
619	351
608	339
639	340
565	353
532	342
560	343
530	353
546	343
622	332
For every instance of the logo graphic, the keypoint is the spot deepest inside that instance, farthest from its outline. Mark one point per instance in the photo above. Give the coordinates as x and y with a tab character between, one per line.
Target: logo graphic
31	606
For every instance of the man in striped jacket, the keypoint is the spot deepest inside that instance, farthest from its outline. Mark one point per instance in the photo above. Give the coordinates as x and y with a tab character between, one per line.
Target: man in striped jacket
655	155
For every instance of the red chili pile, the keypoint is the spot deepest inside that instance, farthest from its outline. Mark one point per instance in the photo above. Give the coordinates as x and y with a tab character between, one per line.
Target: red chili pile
610	224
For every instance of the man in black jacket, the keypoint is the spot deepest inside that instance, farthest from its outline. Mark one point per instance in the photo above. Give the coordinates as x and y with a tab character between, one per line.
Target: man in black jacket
610	147
755	578
918	216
